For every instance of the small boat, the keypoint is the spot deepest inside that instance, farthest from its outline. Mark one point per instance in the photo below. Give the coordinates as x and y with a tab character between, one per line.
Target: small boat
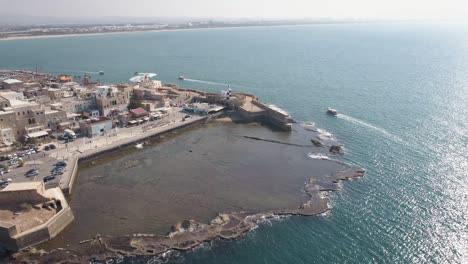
101	73
332	111
181	77
139	145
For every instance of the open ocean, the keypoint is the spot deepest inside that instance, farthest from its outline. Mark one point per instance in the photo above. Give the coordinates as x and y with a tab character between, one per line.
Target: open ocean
402	93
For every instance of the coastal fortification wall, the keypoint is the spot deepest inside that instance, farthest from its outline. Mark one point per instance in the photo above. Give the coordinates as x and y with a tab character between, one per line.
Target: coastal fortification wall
7	231
67	184
11	240
32	196
26	196
274	116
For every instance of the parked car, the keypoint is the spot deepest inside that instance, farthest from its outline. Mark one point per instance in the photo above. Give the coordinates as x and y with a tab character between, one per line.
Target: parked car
49	178
63	137
52	146
32	172
58	168
5	182
61	163
57	172
46	148
5	170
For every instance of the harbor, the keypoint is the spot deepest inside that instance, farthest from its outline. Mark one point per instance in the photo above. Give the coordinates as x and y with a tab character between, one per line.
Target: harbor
161	109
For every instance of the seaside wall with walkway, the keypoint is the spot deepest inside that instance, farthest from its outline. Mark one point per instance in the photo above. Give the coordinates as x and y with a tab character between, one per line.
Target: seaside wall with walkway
68	179
10	240
14	238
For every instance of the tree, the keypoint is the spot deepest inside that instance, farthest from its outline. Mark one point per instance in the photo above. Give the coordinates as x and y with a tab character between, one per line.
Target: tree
135	104
5	165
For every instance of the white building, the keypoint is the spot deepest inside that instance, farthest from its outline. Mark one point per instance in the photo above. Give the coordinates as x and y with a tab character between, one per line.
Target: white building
96	127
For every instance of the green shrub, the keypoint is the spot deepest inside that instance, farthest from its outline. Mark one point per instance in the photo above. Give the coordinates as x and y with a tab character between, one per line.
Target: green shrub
25	207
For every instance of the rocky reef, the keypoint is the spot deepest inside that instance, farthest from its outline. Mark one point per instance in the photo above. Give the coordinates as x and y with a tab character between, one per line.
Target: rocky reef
185	235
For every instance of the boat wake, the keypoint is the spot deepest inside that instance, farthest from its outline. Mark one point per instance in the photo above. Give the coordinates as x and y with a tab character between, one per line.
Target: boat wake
215	83
78	71
370	126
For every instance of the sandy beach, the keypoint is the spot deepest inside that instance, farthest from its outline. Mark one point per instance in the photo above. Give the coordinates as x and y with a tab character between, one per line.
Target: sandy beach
137	31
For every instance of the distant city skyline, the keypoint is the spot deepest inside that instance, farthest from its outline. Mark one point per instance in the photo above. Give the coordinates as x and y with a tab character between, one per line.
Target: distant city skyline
252	9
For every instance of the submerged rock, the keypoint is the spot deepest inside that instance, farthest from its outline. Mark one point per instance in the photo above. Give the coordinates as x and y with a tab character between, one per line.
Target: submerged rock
336	149
316	142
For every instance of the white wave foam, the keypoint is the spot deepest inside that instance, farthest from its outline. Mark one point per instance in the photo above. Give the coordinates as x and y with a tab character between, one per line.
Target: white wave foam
318	156
324	135
310	126
370	126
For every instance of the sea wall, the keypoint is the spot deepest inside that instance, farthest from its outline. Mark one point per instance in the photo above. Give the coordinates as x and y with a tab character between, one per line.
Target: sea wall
68	180
11	240
22	196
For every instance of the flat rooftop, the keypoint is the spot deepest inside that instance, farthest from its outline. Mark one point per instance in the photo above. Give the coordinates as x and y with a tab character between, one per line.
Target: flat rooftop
21	186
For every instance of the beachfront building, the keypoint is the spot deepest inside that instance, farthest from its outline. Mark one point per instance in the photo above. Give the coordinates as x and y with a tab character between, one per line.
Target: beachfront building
76	105
56	120
55	93
203	108
138	113
29	117
111	101
96	126
12	84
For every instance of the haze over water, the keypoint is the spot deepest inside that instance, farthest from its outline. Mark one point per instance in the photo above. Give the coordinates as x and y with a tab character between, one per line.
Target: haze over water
401	89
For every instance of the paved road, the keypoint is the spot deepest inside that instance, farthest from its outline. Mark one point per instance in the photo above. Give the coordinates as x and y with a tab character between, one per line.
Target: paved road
44	160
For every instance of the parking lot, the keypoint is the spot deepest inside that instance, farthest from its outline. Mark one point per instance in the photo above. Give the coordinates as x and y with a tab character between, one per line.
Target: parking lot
41	161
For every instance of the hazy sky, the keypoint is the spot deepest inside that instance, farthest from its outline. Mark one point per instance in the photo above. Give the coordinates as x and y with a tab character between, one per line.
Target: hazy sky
384	9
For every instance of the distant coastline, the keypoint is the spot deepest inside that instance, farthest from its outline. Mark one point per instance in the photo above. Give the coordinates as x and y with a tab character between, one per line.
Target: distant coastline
19	36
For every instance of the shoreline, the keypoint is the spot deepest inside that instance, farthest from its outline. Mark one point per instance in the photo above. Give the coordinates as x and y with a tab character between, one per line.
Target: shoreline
180	29
143	31
188	234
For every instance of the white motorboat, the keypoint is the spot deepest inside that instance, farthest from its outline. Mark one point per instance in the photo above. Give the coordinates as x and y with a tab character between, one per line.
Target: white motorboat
332	111
181	77
139	145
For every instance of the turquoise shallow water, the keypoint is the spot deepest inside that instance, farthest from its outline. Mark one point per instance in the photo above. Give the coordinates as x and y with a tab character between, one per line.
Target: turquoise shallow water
402	90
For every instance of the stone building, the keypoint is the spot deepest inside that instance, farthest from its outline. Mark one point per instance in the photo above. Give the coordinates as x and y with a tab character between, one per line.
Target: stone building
96	127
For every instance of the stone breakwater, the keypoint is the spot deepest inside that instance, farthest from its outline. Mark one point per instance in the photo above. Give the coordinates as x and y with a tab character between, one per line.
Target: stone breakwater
188	234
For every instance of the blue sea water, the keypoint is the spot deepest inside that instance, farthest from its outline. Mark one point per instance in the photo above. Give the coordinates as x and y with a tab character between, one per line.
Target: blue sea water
402	93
